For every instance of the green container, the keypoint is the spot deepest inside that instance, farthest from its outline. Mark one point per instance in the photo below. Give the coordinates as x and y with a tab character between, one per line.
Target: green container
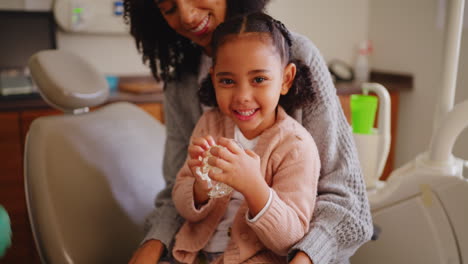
363	109
5	231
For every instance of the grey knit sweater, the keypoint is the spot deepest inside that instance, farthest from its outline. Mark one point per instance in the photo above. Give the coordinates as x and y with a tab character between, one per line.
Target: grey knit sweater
341	221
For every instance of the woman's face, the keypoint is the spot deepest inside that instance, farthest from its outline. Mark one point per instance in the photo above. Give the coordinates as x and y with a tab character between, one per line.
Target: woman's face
194	19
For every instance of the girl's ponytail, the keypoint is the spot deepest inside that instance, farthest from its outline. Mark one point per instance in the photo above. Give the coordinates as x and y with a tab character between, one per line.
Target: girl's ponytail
301	92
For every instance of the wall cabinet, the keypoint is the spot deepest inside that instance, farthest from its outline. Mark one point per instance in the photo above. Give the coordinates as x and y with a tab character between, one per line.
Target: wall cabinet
12	190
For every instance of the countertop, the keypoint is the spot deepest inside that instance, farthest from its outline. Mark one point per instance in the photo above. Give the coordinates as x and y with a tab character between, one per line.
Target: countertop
394	82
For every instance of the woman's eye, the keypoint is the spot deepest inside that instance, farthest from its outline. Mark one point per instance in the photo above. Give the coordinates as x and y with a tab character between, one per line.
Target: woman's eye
259	79
169	11
167	8
226	81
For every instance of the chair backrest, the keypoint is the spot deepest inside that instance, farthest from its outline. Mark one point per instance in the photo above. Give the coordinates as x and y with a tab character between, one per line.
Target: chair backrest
91	180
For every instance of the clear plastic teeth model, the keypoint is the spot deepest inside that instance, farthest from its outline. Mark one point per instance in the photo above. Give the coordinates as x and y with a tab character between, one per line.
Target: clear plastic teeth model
217	189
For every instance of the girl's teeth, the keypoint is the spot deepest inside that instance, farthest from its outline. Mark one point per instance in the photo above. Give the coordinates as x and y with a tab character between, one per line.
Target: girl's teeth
201	26
246	113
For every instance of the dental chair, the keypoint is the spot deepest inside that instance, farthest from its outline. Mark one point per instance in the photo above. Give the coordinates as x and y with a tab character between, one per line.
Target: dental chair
90	176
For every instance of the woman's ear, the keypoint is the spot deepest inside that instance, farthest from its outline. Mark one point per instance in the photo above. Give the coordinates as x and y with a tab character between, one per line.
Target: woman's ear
289	74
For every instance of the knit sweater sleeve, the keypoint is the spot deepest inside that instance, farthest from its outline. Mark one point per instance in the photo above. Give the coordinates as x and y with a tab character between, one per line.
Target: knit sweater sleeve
294	185
341	222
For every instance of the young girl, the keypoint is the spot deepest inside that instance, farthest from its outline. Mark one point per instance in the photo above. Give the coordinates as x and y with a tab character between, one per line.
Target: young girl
174	40
274	174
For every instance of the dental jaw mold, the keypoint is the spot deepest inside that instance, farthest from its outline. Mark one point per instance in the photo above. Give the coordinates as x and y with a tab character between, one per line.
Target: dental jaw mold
217	189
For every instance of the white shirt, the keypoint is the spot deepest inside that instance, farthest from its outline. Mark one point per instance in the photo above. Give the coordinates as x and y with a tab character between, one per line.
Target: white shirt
220	238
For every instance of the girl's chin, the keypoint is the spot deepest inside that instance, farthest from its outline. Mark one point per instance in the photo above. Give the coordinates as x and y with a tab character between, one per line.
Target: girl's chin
248	132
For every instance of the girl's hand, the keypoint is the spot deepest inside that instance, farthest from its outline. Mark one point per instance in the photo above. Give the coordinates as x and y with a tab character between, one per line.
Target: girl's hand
241	168
241	171
199	145
196	149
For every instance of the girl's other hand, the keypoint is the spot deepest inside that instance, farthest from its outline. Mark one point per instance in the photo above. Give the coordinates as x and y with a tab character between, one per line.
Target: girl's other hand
200	185
197	148
199	145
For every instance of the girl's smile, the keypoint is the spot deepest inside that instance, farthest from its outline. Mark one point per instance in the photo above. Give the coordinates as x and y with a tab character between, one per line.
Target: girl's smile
245	115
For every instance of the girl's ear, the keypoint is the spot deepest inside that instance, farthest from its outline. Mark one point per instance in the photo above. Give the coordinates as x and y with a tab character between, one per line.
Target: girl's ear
288	77
211	73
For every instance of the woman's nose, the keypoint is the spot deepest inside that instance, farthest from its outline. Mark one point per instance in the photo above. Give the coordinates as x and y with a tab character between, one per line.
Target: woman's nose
187	12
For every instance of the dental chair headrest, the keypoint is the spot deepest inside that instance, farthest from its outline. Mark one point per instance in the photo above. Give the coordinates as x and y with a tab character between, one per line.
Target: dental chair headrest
66	81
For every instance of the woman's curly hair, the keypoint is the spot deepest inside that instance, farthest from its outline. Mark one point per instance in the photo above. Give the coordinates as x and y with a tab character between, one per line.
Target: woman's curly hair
167	53
301	92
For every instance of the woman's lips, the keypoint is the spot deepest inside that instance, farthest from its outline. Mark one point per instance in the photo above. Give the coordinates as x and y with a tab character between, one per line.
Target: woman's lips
202	28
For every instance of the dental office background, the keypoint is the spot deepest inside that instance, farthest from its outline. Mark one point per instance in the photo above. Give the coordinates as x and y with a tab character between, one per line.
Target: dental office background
407	37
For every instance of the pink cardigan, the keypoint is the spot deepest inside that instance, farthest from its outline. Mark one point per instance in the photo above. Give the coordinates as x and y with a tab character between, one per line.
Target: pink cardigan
290	165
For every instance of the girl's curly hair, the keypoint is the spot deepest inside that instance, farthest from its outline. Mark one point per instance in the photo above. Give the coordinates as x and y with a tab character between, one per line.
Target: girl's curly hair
301	92
168	54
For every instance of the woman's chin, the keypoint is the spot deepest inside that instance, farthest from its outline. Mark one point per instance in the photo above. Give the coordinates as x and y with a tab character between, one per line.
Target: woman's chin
205	43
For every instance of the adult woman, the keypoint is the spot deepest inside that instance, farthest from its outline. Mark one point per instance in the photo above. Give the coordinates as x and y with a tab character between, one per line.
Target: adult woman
174	37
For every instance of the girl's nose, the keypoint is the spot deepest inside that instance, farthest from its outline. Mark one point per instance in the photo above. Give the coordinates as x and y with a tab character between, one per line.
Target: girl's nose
243	94
187	12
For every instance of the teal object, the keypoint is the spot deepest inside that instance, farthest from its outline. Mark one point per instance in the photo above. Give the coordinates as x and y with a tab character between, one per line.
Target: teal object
363	110
113	82
5	231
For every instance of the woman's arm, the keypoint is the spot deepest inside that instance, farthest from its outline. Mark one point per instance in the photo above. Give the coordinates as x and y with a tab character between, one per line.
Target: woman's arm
164	221
181	112
342	220
148	253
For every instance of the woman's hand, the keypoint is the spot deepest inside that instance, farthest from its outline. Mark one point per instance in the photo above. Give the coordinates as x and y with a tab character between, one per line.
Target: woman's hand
148	253
240	170
196	150
301	258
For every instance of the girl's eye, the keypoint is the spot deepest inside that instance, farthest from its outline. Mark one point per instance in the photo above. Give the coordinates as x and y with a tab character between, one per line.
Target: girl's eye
259	79
226	81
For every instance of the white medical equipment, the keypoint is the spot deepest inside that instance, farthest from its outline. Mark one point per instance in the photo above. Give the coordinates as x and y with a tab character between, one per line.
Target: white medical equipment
373	148
90	16
422	211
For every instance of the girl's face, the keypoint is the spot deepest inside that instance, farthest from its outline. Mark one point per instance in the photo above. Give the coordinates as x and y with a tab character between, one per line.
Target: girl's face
249	78
194	19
